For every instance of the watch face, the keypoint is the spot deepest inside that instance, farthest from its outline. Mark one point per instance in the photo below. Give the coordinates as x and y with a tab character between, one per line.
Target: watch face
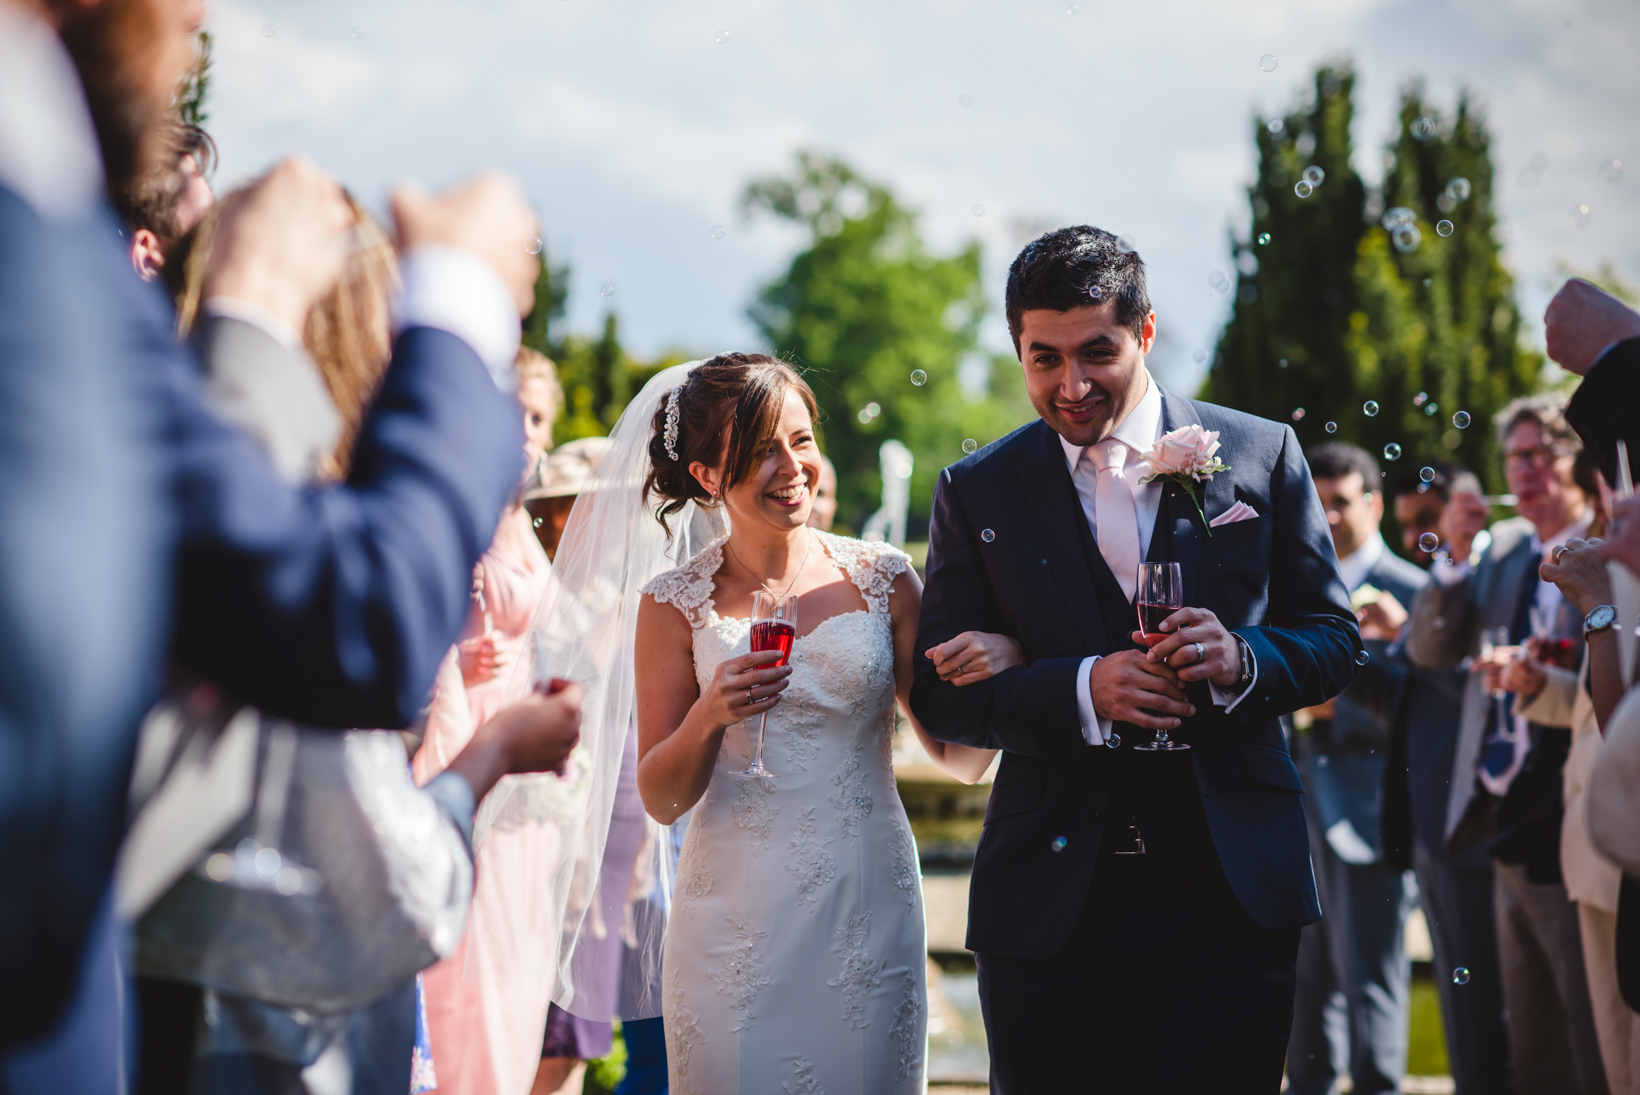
1602	617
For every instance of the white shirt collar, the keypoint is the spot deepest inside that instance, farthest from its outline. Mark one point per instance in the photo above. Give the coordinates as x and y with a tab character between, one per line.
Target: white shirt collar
1139	430
48	147
1577	528
1355	566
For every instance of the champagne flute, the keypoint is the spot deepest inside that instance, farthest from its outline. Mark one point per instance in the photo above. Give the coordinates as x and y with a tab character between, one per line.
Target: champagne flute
1158	594
774	627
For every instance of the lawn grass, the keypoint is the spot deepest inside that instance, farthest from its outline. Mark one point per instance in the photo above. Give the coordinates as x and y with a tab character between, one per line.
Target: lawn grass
1426	1040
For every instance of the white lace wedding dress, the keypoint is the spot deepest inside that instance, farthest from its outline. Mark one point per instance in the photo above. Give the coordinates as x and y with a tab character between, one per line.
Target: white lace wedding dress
795	956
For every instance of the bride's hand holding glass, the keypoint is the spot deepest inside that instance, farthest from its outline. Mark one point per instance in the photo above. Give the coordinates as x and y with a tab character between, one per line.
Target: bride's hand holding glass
743	688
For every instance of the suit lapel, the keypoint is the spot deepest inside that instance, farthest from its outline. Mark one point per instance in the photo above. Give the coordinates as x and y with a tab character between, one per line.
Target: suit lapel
1184	524
1055	508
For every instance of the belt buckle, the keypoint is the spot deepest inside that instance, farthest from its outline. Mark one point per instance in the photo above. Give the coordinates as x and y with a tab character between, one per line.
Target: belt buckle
1138	842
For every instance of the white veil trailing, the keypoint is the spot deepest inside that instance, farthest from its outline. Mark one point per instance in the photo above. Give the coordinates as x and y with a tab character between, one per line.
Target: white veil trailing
584	631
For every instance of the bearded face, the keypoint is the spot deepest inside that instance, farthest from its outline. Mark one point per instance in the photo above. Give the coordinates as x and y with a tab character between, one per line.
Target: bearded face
130	55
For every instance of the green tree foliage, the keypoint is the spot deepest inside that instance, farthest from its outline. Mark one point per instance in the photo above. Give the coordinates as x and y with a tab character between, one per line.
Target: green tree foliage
196	85
861	310
1331	312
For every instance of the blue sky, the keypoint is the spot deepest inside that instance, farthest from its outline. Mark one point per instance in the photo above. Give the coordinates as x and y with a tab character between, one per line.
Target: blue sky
634	129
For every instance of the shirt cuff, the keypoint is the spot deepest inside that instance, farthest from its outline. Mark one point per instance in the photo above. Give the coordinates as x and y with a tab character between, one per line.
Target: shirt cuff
453	290
454	796
1095	729
1231	700
1449	574
264	320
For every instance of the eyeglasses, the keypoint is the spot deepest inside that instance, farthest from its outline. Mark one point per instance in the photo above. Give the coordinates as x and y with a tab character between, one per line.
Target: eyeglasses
1541	458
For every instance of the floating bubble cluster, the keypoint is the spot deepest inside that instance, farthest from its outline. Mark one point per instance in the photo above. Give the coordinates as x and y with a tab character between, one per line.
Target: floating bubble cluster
1267	63
970	446
1392	451
1610	170
1461	420
1429	542
988	535
1370	408
1398	217
1444	228
918	377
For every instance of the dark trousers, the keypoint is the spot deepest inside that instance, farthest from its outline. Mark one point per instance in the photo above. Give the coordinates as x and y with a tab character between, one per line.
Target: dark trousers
645	1057
1165	986
1354	979
1458	907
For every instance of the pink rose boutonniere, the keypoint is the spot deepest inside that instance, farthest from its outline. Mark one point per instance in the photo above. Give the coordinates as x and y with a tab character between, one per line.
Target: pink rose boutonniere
1187	456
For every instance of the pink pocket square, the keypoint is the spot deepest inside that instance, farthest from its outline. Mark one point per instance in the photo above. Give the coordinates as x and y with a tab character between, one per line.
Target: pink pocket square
1241	511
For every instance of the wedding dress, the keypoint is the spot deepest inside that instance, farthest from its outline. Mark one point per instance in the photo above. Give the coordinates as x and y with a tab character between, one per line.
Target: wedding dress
795	957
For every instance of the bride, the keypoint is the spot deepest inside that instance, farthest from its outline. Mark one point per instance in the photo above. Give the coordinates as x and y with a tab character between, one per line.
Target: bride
795	954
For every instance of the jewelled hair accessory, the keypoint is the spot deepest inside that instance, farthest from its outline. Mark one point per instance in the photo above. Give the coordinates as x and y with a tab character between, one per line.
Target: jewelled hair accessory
669	435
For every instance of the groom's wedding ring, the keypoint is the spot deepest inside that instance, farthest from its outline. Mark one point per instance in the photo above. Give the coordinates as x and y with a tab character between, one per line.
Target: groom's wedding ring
1201	652
1554	556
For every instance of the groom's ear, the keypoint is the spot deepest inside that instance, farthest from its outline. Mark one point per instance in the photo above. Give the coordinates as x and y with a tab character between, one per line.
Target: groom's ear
1147	335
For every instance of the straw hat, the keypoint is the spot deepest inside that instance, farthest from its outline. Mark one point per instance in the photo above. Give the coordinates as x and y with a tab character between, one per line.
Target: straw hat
562	472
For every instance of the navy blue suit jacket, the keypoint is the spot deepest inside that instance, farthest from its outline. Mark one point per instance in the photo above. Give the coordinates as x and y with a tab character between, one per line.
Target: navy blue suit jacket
132	521
1274	579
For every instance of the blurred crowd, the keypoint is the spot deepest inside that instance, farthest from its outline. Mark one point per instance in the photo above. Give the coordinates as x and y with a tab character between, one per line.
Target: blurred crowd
1482	765
279	474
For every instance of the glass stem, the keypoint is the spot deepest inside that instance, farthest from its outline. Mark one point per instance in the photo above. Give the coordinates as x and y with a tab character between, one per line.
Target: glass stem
762	729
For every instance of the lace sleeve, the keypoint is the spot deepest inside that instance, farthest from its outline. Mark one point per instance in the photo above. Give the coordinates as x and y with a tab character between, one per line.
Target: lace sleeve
872	565
688	588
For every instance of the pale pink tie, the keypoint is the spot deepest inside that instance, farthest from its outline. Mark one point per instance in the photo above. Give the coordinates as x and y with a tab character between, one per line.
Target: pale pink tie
1116	518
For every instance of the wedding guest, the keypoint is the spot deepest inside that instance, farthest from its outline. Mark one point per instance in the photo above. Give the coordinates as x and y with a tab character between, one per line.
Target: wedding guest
1506	775
161	205
1454	890
208	535
1596	336
562	475
541	395
825	497
1354	977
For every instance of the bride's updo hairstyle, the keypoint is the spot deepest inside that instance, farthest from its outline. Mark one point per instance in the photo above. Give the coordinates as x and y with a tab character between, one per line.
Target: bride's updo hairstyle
727	413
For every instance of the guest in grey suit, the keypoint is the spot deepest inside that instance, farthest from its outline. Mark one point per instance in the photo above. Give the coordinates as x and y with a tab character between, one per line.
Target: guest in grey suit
1506	772
1455	890
1353	972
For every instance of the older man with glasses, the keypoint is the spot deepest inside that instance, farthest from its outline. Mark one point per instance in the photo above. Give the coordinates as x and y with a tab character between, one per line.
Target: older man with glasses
1506	775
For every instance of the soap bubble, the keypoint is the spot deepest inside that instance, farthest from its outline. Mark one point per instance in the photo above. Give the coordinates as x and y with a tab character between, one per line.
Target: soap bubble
269	30
1427	474
1059	843
1096	294
979	210
606	290
1461	420
1282	363
1314	175
1370	408
1264	239
1392	451
1276	127
219	868
1298	414
1397	216
535	246
1538	161
1580	216
1610	170
1423	128
965	99
1407	238
1115	741
717	231
722	37
1199	356
1218	282
1363	658
988	535
356	33
536	523
918	377
1460	976
1429	542
1267	63
970	446
1073	9
1431	410
1303	189
1332	427
1458	189
1126	245
1443	228
1420	399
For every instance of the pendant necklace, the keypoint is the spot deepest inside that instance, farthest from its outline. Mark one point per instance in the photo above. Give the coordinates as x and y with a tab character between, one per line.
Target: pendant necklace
806	556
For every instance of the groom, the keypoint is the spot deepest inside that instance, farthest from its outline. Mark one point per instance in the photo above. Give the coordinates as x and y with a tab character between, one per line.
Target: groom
1134	914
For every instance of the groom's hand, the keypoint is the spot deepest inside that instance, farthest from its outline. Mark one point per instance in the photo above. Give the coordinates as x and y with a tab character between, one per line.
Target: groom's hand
1127	687
1216	659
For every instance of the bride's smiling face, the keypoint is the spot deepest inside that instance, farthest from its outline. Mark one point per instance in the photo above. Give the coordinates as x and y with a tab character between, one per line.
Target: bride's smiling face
780	493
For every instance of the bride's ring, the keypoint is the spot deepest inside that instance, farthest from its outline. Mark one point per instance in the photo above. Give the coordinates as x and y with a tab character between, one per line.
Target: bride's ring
959	670
749	699
1201	652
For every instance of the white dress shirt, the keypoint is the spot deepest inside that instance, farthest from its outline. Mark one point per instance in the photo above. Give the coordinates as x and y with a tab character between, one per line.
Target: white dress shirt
1139	431
1355	566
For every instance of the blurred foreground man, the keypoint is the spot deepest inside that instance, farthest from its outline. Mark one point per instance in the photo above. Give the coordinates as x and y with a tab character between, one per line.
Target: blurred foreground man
134	524
1506	772
1354	977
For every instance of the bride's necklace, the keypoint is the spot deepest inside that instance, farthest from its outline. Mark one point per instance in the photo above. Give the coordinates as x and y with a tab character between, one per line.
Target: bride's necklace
806	556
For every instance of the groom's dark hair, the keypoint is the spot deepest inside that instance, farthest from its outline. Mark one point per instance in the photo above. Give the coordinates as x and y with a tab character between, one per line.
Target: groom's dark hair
1070	267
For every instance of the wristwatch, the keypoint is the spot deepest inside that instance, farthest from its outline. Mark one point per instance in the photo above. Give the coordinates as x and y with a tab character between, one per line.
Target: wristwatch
1246	652
1600	618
